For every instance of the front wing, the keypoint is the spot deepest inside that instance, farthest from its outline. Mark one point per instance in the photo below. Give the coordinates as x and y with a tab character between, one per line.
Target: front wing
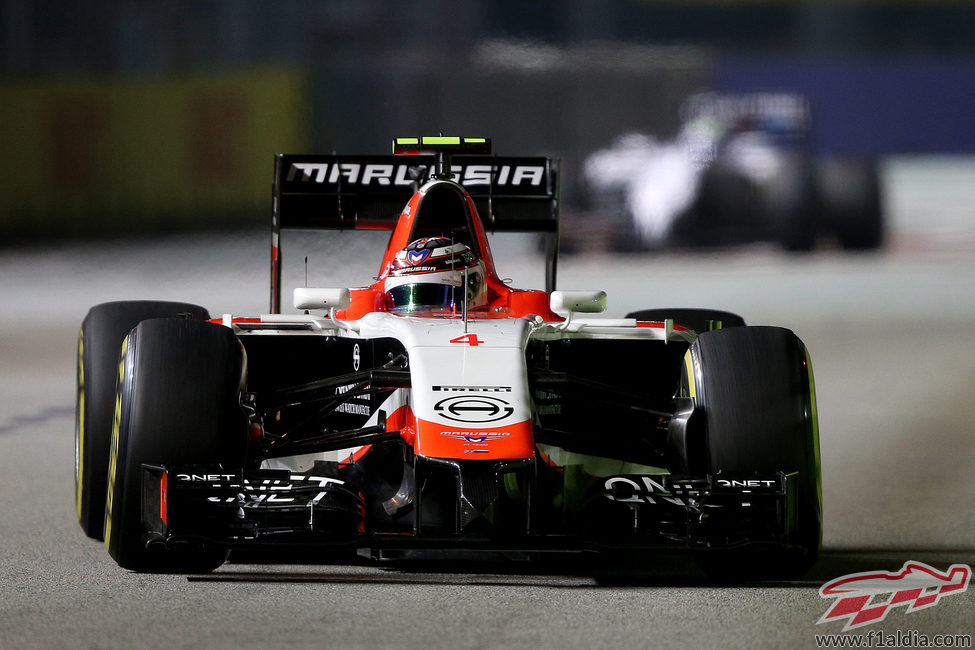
271	509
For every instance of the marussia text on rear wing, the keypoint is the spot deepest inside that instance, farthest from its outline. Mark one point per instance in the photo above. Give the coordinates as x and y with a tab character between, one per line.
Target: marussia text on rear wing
368	192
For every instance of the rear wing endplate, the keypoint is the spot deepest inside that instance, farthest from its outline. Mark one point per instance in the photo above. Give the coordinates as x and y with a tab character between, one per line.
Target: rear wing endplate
336	192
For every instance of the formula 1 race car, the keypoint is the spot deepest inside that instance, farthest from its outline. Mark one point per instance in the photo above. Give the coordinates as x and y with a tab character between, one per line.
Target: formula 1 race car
742	168
439	410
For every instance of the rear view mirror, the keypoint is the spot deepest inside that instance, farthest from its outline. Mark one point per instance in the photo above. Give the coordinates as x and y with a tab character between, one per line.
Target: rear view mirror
322	298
582	302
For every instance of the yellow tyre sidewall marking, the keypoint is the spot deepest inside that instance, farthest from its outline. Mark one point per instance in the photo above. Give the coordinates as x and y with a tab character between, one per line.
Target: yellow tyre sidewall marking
79	452
113	452
691	377
814	417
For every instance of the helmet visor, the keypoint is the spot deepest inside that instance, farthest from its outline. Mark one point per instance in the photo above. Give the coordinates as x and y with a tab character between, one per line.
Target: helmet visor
425	297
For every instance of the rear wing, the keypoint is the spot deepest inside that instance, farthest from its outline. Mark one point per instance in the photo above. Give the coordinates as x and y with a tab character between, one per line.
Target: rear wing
335	192
368	192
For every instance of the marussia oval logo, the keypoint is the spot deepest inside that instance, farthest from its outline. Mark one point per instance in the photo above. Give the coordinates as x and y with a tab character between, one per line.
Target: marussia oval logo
478	410
416	257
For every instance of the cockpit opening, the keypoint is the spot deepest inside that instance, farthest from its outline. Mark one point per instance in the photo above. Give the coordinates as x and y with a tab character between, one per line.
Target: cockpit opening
443	212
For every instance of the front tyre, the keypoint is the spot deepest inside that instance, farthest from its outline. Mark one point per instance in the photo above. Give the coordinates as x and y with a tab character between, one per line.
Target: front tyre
755	387
178	404
99	342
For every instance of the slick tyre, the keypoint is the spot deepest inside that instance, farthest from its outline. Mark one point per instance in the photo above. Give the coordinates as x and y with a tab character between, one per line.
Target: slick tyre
850	194
177	404
99	342
790	204
699	320
755	387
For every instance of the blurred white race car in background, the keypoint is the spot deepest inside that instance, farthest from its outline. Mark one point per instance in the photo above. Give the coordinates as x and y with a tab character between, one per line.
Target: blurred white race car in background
741	169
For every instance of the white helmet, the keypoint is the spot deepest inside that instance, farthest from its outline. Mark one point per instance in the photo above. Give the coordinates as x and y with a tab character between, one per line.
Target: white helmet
428	275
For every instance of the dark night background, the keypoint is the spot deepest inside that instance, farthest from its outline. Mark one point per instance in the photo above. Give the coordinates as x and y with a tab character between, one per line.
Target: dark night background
127	116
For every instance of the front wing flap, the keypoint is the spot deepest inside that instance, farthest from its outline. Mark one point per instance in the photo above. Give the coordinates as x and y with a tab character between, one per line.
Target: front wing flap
716	511
237	509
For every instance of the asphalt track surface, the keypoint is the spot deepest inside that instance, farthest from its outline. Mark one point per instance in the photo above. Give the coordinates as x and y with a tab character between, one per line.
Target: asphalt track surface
891	342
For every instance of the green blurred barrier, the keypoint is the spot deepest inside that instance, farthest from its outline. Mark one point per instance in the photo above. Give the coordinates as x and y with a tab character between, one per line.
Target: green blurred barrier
112	155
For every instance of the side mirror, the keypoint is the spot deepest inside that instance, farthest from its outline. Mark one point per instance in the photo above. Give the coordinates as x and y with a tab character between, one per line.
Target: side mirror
322	298
582	302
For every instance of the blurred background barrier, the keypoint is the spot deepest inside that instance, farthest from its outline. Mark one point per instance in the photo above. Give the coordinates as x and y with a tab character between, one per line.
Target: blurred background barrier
94	156
127	117
892	105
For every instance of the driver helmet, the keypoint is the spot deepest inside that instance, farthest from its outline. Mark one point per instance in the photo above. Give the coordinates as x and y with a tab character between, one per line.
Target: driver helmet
428	275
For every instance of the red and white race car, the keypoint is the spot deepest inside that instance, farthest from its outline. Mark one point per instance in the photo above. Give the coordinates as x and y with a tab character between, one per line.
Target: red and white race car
439	409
